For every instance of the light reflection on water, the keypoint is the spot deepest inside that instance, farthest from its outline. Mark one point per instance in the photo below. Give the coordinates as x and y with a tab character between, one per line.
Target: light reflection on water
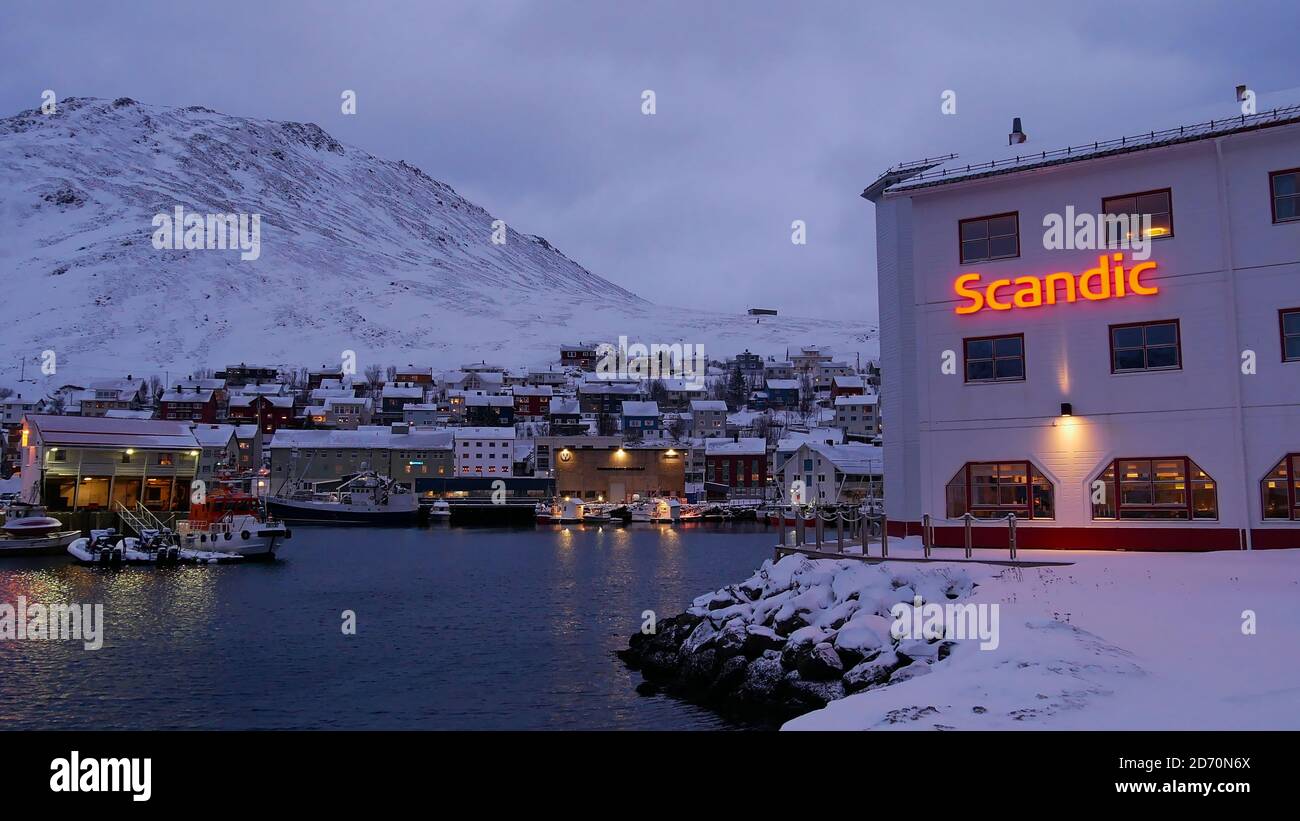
456	629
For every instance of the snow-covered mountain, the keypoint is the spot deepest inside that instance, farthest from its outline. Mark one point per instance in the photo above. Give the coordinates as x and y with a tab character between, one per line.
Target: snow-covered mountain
356	253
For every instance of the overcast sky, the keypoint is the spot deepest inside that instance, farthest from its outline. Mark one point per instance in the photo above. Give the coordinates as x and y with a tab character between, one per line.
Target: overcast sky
766	112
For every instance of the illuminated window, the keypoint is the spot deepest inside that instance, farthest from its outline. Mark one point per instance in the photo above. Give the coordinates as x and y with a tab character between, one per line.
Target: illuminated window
1156	204
991	490
986	238
1290	323
1154	488
1145	346
1285	187
995	359
1280	489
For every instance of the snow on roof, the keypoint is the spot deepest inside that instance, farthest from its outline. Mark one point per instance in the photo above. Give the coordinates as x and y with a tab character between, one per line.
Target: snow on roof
201	396
214	436
682	385
103	431
246	431
123	413
484	433
397	391
564	404
708	405
746	446
489	401
931	175
854	458
857	399
843	381
533	390
243	400
631	408
782	385
793	439
366	436
346	401
268	388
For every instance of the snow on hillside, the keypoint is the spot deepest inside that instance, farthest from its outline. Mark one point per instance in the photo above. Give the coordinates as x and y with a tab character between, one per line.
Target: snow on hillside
1113	641
357	253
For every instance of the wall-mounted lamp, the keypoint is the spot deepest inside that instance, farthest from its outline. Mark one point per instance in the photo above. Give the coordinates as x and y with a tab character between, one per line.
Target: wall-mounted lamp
1067	409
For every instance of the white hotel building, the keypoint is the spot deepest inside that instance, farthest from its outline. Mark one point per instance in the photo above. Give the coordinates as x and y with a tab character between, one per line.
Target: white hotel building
1152	412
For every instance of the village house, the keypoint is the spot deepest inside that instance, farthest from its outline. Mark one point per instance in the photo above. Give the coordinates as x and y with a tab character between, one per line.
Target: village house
834	474
856	416
484	451
847	386
565	417
708	418
124	394
345	412
237	376
93	463
270	412
415	376
194	404
532	403
782	394
778	370
397	395
249	438
739	465
218	450
641	420
599	398
579	356
14	408
399	451
425	414
489	410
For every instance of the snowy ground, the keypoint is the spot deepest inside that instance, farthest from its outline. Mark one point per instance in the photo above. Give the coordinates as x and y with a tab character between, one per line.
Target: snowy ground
1112	641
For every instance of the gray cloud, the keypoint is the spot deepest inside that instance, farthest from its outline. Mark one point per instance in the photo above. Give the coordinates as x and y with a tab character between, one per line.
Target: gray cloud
767	112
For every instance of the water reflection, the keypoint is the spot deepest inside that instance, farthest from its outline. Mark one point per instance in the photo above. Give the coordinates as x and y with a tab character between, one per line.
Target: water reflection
456	628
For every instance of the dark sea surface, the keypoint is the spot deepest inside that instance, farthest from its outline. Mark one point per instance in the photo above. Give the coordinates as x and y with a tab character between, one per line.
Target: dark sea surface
456	628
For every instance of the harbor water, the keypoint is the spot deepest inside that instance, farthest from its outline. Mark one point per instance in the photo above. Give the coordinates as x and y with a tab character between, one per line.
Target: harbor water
456	628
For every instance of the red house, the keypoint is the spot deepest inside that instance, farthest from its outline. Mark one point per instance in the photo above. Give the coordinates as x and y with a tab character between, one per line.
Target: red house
193	404
740	463
847	386
268	412
532	403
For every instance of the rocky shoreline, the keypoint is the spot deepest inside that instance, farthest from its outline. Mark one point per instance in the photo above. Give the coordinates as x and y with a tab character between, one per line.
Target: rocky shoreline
793	637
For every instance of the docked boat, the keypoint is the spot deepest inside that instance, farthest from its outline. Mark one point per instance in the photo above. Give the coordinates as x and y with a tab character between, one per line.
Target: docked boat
571	512
440	511
789	516
366	498
230	520
28	531
107	548
660	511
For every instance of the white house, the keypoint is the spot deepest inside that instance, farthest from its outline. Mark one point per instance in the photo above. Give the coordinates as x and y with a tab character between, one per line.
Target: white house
484	451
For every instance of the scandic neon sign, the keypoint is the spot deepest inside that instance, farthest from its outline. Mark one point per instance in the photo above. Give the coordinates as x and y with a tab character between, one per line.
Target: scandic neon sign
1095	284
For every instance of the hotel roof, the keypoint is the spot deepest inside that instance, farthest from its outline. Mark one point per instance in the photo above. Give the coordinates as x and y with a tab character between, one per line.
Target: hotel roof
930	173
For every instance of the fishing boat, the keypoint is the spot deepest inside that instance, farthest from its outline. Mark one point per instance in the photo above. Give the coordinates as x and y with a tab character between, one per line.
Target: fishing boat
365	498
657	510
231	520
28	531
440	511
571	512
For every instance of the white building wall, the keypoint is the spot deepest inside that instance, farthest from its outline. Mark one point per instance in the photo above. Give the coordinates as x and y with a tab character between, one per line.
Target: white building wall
1224	274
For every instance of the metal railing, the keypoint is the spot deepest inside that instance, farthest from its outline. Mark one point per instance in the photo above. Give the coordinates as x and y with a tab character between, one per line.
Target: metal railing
851	527
968	526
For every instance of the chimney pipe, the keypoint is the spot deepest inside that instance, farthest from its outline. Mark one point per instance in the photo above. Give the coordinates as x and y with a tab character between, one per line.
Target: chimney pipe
1017	134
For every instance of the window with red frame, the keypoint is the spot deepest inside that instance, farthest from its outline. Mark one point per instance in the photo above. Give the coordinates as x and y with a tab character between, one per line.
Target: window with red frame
1280	489
991	490
1172	487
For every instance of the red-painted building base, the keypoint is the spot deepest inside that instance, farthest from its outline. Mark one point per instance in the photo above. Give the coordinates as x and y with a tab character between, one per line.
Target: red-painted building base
1158	539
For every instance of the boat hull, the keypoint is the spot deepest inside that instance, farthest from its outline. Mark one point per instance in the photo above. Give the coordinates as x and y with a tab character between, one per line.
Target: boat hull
54	544
333	515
